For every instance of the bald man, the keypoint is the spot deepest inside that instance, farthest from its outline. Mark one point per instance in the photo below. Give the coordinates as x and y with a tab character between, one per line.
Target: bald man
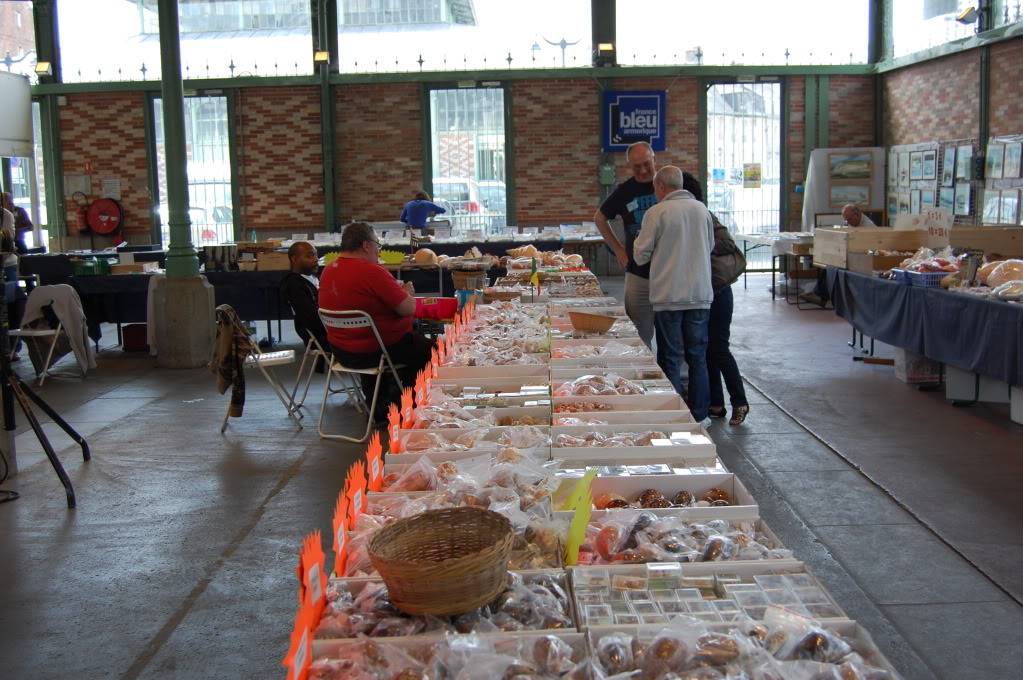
630	200
676	240
854	217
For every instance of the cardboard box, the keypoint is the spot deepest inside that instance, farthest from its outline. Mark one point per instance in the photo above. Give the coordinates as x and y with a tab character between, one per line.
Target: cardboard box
915	369
272	261
135	268
865	263
831	246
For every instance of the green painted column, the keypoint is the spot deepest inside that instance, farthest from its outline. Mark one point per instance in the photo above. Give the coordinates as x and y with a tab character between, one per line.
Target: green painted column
181	258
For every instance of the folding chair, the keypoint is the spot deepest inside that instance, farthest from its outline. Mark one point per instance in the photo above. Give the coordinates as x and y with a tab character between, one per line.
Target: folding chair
352	319
265	362
31	333
314	351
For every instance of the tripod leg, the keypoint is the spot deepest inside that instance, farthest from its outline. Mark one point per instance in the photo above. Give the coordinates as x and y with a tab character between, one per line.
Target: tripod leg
41	436
77	438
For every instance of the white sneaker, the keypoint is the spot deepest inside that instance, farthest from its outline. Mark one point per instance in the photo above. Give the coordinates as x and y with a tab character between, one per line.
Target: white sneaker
706	422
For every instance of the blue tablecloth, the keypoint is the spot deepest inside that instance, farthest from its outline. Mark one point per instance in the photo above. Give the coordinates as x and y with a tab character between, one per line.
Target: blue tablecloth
974	334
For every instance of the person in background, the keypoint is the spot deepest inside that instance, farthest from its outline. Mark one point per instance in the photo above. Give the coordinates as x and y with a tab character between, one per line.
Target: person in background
355	280
720	361
22	222
854	217
14	297
418	210
630	200
301	289
676	239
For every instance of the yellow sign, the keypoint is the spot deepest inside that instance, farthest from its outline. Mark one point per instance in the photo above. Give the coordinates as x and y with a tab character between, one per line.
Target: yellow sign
751	175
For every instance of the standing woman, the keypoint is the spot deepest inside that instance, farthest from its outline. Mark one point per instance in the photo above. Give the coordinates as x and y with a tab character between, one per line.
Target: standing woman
727	264
419	209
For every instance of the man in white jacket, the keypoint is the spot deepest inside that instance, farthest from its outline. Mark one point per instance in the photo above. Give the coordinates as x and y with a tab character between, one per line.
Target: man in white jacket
676	239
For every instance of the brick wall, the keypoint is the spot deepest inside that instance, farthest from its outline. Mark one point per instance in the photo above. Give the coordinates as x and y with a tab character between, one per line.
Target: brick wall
280	164
107	131
1006	108
935	100
556	150
379	149
797	156
851	115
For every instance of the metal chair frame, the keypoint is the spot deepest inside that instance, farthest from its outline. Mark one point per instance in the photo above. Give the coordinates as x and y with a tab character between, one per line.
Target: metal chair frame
352	319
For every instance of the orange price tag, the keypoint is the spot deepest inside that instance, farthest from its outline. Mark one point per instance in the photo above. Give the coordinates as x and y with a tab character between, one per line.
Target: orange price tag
300	650
407	413
355	490
393	425
314	577
340	527
375	463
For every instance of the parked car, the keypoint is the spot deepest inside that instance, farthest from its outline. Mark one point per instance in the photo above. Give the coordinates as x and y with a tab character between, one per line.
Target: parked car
461	193
494	195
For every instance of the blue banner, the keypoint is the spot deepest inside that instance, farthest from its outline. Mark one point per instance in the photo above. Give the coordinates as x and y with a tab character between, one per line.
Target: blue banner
631	116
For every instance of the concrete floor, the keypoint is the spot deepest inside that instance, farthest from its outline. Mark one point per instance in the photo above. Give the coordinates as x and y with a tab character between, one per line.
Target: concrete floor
179	561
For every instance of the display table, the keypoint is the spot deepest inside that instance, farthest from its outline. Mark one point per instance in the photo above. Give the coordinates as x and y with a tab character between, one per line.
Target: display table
974	334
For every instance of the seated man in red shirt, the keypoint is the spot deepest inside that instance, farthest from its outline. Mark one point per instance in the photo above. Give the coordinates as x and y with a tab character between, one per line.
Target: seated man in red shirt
355	280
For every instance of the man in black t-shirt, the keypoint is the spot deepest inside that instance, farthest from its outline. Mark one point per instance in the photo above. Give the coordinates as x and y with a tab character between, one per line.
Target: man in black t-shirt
630	200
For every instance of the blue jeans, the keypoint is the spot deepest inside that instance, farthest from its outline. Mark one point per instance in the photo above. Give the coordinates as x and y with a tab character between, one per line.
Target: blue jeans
720	362
685	333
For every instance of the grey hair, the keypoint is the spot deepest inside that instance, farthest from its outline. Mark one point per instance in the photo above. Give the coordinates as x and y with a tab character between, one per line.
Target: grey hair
638	145
670	177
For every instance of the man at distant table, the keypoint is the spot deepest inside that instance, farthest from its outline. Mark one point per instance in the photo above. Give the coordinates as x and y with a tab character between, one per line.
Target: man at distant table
301	289
853	217
356	281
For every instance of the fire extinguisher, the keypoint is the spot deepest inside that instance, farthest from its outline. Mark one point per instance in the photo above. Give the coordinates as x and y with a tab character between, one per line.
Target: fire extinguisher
81	222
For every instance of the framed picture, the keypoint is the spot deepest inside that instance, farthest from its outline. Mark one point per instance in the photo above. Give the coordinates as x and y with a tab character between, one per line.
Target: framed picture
904	203
849	165
916	166
904	169
893	168
994	161
1013	152
964	162
992	203
948	167
926	199
947	198
962	200
857	194
1010	206
930	161
893	206
914	202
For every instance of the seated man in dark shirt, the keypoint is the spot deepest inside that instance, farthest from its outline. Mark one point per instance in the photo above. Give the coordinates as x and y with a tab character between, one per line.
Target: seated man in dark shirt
301	289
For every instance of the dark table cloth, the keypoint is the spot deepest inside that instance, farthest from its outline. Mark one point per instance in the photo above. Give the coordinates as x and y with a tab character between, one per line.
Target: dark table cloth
974	334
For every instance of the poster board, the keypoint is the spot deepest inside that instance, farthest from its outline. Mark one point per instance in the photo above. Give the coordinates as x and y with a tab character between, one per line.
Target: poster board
848	174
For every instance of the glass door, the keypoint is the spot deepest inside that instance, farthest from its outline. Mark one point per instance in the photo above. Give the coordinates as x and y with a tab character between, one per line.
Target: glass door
467	143
743	182
209	170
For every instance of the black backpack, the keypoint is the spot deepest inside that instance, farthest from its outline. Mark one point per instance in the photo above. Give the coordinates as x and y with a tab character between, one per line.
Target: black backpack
727	263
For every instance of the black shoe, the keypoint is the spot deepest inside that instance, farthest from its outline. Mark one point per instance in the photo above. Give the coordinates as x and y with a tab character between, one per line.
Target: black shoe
717	412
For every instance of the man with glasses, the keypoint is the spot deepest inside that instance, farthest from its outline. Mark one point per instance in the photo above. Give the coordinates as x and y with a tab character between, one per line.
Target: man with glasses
630	200
356	281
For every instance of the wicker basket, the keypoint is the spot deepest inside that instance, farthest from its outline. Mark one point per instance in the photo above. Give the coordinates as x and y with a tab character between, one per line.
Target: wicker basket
469	280
443	562
593	323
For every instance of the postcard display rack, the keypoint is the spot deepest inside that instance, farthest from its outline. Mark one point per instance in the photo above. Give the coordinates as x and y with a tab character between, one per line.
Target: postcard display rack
934	174
1003	183
662	547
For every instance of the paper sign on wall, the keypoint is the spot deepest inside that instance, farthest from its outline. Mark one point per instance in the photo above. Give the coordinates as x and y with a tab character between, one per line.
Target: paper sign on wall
751	175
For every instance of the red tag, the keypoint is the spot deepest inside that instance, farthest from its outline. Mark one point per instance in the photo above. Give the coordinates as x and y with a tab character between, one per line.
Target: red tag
300	651
375	463
393	425
355	490
340	526
314	576
406	408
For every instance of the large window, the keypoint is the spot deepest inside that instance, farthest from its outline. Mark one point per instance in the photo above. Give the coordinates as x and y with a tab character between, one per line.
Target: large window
120	39
467	148
726	32
209	170
920	24
451	35
17	38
